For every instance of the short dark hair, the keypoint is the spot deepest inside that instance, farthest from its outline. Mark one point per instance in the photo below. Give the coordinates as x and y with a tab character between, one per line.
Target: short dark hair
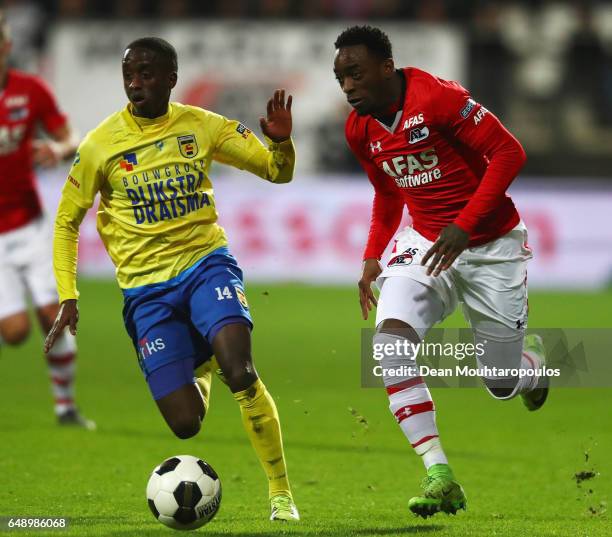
159	46
374	39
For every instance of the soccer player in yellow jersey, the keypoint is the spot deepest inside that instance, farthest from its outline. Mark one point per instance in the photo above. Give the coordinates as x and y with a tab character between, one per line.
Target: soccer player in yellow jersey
184	299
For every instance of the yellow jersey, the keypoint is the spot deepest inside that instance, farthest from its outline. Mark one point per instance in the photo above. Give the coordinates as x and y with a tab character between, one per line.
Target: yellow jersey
157	214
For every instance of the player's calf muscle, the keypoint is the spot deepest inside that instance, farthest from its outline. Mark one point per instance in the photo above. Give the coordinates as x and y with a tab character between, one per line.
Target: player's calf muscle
239	373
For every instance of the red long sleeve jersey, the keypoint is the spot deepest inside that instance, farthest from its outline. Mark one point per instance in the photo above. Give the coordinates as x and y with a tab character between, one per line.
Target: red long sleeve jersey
25	102
446	157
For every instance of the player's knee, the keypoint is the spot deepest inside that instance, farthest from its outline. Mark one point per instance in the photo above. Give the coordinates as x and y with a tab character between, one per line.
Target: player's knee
395	353
389	325
397	328
15	333
240	378
186	426
240	373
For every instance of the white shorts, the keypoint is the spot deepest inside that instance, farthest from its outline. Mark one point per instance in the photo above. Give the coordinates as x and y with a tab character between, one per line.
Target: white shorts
490	280
26	267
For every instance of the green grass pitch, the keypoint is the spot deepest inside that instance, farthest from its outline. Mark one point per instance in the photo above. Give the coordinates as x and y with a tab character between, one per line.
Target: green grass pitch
350	478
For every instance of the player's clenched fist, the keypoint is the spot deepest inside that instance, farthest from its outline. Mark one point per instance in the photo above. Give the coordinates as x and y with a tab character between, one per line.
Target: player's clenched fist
68	315
277	125
371	271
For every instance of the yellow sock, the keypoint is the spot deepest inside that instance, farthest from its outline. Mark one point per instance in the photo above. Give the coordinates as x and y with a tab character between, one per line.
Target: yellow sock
203	376
260	420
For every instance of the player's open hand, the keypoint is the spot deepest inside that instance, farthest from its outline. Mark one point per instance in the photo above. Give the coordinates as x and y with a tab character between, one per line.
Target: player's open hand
371	271
68	315
277	125
451	242
46	153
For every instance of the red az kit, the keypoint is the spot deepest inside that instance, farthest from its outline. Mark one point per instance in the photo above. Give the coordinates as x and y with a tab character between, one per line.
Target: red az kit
446	157
25	102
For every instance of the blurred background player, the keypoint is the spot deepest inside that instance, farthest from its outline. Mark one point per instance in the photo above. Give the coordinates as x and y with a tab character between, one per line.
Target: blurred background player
25	233
183	293
425	143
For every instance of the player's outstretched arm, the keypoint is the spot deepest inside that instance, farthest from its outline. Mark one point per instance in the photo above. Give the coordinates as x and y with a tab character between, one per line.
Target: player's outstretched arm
237	146
65	253
278	123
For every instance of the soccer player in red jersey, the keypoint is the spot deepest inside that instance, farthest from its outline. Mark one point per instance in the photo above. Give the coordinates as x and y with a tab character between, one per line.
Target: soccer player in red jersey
425	143
25	234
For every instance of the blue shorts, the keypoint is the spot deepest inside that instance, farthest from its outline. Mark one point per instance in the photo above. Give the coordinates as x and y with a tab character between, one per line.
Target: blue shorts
172	324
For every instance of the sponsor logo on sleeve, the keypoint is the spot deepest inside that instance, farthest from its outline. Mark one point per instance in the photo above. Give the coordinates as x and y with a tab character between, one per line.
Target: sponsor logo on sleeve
73	181
243	130
479	115
188	145
467	109
241	297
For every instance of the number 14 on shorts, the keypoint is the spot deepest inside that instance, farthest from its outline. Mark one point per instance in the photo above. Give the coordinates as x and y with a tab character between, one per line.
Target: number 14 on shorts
224	293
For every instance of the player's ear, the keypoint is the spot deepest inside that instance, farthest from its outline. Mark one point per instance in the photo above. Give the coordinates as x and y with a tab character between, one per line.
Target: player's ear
173	78
388	67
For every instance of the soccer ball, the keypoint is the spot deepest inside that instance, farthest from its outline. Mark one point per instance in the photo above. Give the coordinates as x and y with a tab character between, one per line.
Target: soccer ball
184	492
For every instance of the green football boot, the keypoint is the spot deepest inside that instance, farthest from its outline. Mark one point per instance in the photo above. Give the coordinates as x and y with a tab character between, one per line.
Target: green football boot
283	508
441	493
536	397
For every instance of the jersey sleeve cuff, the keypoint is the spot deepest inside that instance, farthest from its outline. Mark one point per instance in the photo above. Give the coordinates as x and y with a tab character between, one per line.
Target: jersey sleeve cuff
285	144
465	224
371	254
68	296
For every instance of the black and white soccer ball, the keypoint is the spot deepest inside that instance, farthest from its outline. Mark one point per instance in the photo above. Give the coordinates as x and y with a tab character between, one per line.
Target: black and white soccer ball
184	492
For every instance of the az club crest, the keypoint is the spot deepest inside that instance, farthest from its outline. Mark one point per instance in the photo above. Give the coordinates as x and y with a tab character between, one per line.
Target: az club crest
418	134
405	258
188	146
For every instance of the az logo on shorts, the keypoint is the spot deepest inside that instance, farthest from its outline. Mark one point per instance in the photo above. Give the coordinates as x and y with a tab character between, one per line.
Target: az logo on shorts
405	258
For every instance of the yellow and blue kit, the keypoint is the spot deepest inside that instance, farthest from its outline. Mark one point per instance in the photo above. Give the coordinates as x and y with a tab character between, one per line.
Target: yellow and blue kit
158	222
